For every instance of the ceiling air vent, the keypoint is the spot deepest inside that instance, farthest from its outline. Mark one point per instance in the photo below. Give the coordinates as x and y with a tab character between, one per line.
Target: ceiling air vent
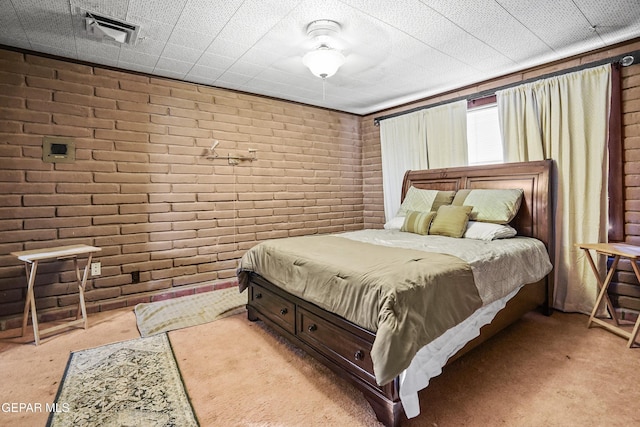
103	27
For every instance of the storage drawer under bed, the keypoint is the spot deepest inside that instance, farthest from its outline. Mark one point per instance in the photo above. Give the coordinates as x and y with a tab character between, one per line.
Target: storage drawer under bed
273	306
336	343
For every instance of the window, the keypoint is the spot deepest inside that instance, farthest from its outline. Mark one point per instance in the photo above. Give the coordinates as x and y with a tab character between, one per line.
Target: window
483	135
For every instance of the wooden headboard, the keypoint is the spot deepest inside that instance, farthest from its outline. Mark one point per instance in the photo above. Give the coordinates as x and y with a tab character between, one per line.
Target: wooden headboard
534	178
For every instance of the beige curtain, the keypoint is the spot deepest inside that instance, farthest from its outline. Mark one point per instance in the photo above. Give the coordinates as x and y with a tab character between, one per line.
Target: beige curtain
446	127
565	118
402	142
426	139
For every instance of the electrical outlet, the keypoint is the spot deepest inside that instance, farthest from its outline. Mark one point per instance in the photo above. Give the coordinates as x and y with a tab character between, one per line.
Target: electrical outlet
95	268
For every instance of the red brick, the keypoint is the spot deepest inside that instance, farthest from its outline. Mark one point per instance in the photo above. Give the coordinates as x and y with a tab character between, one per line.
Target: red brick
59	86
144	87
58	107
121	135
28	235
120	75
189	131
11	78
107	199
119	156
122	95
90	101
91	210
56	200
146	287
141	127
10	127
86	78
56	130
172	102
42	223
63	119
174	121
11	102
122	115
192	95
25	212
22	188
59	64
24	115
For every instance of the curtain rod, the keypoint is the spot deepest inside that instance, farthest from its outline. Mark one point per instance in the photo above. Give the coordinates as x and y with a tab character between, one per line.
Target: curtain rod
625	60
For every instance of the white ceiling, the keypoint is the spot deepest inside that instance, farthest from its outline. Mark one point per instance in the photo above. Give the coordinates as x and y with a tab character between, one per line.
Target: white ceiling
396	50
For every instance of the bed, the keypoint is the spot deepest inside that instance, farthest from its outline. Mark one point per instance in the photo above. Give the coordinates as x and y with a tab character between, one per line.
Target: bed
375	345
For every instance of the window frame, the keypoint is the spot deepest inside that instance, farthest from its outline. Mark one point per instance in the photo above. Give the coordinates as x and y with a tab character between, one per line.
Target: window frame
477	104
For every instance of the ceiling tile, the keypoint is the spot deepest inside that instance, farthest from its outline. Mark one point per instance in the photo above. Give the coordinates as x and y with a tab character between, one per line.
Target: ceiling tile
200	72
201	17
490	23
136	67
558	23
46	23
190	39
111	8
181	53
10	26
131	56
174	66
164	11
215	61
107	49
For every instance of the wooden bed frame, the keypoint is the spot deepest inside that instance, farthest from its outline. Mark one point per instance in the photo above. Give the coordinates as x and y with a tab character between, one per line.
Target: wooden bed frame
345	347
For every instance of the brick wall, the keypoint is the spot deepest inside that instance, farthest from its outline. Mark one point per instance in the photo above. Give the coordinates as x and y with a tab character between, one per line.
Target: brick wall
624	290
142	189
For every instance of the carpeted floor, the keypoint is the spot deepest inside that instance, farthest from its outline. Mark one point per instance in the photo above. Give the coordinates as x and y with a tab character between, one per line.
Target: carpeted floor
540	371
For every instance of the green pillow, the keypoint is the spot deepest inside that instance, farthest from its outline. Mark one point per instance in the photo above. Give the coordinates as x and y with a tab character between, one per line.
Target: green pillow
499	206
451	221
417	222
423	200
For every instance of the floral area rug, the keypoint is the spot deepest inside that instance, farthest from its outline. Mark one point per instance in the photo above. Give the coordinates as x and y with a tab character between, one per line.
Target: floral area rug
131	383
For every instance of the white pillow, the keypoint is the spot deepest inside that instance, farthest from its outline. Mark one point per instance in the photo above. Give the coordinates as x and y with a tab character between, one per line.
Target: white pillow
394	223
488	231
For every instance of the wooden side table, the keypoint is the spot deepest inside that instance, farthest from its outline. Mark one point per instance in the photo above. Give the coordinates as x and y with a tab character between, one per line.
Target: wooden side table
31	260
617	251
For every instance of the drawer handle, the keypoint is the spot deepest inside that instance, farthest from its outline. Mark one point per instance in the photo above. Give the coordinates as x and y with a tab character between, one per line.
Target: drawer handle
284	311
359	355
258	295
312	327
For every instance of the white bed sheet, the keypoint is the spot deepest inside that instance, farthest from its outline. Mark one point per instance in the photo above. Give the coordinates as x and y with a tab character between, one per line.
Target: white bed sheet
498	266
497	283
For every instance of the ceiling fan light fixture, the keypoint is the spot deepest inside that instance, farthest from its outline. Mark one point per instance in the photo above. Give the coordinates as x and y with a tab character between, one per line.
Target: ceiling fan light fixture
323	61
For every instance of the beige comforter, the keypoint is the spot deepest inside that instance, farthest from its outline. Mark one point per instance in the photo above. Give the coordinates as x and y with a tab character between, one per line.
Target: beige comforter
408	297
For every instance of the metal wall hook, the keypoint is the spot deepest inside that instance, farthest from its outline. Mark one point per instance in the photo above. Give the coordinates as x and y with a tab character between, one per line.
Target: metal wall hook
233	159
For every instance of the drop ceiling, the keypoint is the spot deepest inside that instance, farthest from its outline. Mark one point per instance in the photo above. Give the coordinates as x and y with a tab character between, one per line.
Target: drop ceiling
396	51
